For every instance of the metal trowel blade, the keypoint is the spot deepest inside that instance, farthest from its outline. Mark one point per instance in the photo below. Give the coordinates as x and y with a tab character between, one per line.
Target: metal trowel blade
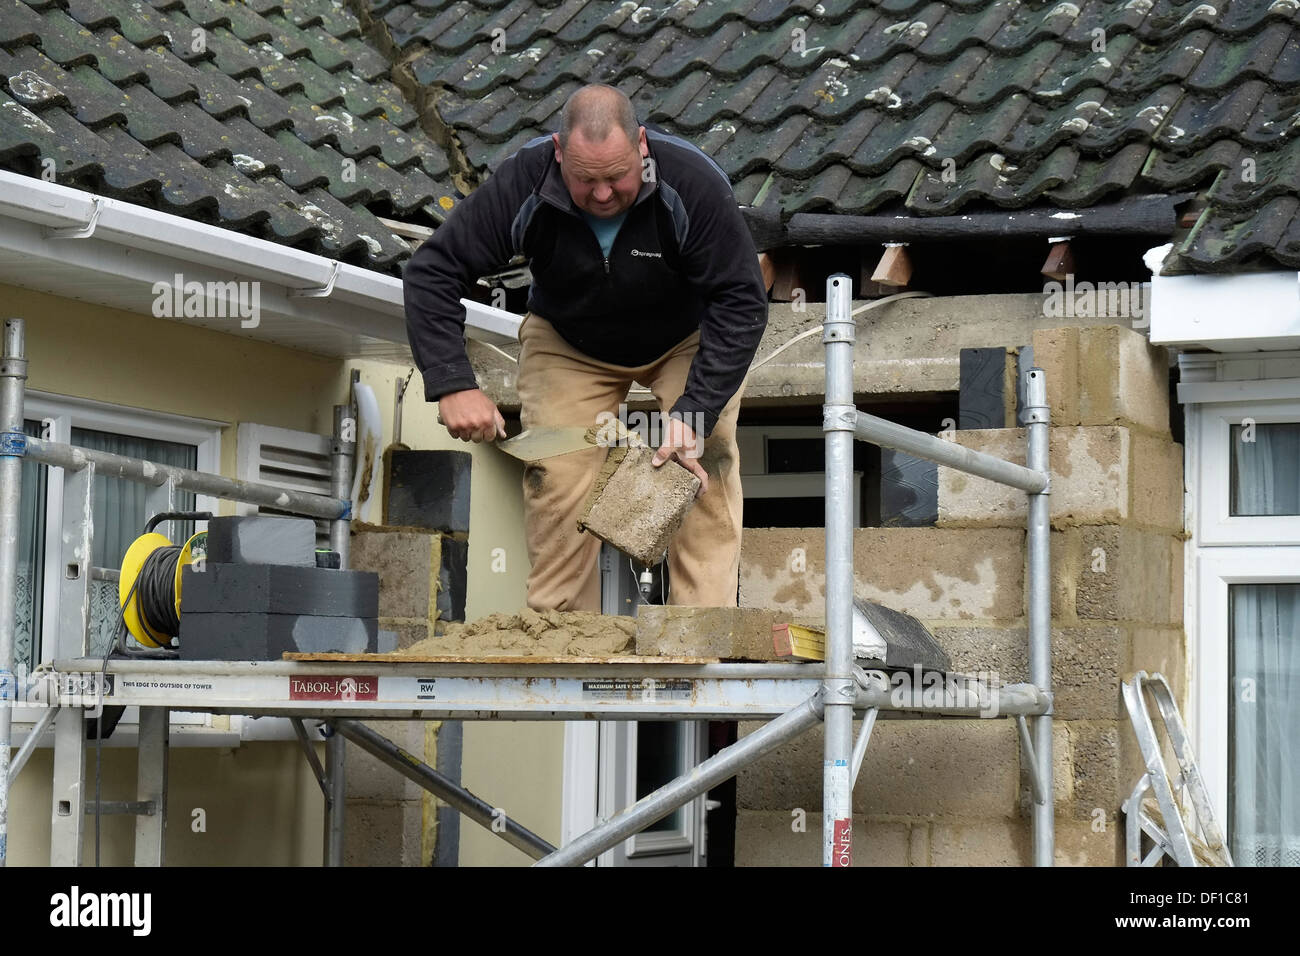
534	444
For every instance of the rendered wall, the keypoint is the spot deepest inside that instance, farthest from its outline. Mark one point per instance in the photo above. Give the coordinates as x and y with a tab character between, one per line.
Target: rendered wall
265	809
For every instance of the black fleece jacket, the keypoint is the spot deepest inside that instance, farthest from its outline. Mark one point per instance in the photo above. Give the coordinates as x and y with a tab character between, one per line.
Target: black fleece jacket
683	260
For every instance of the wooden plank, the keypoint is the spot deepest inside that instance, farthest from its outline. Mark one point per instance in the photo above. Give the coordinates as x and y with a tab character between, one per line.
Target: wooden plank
1060	261
894	270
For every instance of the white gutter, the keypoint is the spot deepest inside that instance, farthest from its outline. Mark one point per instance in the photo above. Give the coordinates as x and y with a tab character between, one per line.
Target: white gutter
1245	312
74	225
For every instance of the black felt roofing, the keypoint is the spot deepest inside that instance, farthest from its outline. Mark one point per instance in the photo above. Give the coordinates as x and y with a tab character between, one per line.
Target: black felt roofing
273	118
923	108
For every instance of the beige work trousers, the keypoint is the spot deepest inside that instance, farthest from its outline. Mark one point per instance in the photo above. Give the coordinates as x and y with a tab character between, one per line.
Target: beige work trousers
560	386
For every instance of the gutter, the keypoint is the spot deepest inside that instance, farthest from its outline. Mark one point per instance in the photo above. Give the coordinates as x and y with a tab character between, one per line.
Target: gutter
83	230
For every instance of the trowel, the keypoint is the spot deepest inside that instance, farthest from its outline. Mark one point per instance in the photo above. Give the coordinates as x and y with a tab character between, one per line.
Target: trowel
534	444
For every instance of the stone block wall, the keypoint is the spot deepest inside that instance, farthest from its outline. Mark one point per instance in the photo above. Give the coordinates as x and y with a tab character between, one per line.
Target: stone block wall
389	820
954	792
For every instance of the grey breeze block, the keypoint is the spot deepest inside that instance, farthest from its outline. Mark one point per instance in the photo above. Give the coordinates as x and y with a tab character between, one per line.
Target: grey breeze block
265	637
262	539
279	589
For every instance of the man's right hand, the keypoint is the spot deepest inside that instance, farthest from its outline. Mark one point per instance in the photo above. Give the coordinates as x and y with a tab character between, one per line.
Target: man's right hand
471	416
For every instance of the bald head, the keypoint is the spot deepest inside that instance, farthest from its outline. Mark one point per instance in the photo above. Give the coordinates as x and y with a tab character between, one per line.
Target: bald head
596	111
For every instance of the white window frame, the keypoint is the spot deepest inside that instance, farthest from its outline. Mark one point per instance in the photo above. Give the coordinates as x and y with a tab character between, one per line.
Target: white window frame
599	780
1219	568
1225	550
1215	524
63	413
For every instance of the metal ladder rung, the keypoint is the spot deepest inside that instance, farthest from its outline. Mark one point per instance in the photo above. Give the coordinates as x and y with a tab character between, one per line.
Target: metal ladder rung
1162	818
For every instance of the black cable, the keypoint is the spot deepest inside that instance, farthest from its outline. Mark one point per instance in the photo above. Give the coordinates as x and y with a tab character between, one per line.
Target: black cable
157	583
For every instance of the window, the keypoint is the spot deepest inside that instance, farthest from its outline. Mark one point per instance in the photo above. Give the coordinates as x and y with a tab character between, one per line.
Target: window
1250	492
1263	743
1244	621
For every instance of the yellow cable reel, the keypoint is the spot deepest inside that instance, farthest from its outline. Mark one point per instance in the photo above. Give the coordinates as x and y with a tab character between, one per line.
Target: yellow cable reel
133	563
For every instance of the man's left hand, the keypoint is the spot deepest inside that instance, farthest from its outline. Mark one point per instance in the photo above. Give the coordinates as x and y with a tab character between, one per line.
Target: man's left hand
682	445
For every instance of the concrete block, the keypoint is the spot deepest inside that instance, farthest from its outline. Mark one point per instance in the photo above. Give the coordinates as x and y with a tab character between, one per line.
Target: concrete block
1087	662
768	838
1062	772
1157	483
1160	650
1095	752
409	564
279	589
909	490
382	833
1101	474
636	507
452	579
1066	564
1056	352
265	637
913	768
1090	479
409	631
1099	842
1126	575
981	843
262	539
1123	380
726	632
371	779
918	845
998	650
932	574
427	489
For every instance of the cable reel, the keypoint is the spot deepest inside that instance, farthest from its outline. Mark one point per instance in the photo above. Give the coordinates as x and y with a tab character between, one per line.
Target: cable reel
149	588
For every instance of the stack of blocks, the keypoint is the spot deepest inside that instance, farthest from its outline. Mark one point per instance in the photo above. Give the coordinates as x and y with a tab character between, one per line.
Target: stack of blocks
955	792
259	594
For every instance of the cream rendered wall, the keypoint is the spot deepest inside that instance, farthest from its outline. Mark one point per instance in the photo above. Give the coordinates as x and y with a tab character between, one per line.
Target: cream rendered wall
266	808
267	803
516	765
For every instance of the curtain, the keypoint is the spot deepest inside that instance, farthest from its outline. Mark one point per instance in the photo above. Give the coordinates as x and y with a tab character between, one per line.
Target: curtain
1264	735
1266	471
31	562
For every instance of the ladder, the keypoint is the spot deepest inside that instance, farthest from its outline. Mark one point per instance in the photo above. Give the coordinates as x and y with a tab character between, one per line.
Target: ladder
1188	842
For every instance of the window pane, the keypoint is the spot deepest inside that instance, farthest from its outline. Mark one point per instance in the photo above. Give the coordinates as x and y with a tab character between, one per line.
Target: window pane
1265	472
1264	724
658	760
31	560
120	514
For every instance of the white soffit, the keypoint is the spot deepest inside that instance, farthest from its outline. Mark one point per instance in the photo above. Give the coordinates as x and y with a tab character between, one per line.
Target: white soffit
76	245
1251	311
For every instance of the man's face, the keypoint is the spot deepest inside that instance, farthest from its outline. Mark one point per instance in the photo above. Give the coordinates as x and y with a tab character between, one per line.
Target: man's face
603	178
